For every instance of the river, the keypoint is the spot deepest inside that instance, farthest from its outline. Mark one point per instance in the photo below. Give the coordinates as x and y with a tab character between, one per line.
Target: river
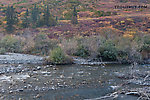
69	82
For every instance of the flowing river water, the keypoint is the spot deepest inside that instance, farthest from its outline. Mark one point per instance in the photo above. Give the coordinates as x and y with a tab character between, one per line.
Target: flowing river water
69	82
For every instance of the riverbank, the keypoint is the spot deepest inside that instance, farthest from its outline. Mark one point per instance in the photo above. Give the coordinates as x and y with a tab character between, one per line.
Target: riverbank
17	58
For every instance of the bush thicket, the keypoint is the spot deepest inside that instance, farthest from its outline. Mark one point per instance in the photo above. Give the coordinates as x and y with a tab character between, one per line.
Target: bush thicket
11	44
82	51
2	51
57	56
43	44
107	51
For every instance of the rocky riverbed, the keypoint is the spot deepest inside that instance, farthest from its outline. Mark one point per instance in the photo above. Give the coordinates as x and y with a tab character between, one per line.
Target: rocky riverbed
49	82
66	82
40	79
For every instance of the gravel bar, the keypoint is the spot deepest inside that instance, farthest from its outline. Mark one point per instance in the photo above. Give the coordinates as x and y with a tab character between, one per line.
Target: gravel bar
16	58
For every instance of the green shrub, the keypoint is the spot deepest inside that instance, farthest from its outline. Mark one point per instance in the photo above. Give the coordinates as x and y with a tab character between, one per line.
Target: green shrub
57	56
82	51
43	44
0	22
107	51
99	13
2	51
102	13
122	56
11	44
68	15
129	49
146	43
123	1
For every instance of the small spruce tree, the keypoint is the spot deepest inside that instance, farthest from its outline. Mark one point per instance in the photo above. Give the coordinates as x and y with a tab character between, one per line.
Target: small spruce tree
25	20
48	19
74	19
11	19
35	16
46	16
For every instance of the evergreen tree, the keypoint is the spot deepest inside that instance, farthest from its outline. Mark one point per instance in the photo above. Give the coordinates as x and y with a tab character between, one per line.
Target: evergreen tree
74	19
11	19
26	21
56	18
48	19
53	21
35	16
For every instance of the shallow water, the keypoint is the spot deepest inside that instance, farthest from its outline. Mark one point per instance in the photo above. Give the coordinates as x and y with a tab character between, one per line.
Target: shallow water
71	82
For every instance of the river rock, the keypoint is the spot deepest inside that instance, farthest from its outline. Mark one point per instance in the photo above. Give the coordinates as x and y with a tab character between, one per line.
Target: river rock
38	96
115	87
38	68
19	90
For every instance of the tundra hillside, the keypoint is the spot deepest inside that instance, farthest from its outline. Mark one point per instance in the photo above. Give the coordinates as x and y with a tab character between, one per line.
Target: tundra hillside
94	30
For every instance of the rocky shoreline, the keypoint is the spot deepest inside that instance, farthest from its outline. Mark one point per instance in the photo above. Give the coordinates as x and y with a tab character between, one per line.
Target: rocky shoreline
81	61
16	58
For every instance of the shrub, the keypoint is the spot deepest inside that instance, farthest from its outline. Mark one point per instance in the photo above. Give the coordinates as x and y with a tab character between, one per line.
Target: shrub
2	51
128	50
91	44
82	51
145	48
68	15
146	43
124	47
28	44
107	51
82	46
11	44
69	46
57	56
43	44
107	13
123	1
99	13
109	33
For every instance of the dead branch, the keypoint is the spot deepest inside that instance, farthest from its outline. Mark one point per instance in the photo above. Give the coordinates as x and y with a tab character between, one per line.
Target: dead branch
113	95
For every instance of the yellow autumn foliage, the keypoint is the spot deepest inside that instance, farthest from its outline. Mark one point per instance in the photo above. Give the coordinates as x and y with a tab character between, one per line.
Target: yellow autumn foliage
4	22
129	19
122	21
23	12
128	35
